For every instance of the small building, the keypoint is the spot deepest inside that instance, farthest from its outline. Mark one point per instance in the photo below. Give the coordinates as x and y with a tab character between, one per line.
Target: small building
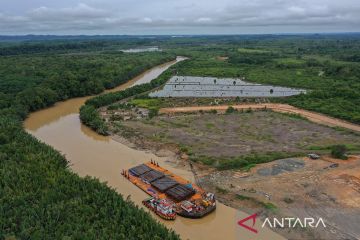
313	156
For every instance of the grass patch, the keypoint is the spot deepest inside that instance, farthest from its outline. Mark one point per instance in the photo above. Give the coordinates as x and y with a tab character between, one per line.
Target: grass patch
247	161
243	197
203	159
230	109
248	167
221	190
293	115
186	149
149	103
210	125
290	61
266	205
349	147
339	151
251	50
345	130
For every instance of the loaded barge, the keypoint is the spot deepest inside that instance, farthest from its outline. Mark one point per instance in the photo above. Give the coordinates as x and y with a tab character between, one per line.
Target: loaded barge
170	193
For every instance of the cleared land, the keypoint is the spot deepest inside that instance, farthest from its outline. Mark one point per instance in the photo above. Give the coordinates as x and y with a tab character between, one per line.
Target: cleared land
312	116
221	139
296	187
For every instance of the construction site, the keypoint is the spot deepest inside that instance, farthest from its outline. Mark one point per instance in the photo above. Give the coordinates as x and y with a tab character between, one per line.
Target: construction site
303	187
207	138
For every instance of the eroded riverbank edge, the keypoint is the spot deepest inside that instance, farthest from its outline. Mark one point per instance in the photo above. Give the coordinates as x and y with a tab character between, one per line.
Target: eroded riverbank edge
176	158
201	172
90	154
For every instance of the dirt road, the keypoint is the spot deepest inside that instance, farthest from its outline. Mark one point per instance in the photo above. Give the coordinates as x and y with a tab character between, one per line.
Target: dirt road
284	108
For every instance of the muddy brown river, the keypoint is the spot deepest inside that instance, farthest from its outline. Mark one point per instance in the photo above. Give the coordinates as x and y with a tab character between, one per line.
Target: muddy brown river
103	158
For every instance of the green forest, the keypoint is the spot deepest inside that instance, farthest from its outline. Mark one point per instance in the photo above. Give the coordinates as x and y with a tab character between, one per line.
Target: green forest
329	68
88	112
40	197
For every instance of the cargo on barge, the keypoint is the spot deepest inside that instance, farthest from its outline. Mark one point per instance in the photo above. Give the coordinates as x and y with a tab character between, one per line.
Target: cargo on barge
181	196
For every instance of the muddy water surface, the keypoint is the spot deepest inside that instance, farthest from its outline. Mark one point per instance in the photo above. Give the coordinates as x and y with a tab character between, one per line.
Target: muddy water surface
103	158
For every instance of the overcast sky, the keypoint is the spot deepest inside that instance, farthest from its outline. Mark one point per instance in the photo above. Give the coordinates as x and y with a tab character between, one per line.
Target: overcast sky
178	17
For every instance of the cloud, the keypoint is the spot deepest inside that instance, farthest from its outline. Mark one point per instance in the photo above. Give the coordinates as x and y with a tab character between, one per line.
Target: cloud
81	11
124	16
203	20
146	20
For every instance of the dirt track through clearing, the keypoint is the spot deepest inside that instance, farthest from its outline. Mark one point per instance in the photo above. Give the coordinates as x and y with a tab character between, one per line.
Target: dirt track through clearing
284	108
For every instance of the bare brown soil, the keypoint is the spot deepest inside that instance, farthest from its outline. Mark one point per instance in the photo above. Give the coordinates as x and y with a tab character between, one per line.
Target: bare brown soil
302	188
294	187
312	116
232	135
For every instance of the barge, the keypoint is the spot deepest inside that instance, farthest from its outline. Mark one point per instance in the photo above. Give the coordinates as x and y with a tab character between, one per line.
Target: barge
170	193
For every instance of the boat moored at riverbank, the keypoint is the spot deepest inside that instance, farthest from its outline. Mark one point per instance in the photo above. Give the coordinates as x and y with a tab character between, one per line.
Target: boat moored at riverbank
167	189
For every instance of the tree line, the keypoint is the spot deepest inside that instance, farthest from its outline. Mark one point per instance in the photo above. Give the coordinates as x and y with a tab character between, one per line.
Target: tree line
40	197
327	67
89	114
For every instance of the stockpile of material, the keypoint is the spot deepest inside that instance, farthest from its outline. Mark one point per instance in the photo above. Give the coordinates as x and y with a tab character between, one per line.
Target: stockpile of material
180	192
164	183
139	170
151	176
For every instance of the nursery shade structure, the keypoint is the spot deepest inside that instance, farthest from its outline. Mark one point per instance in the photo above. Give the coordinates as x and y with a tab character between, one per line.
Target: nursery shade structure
190	86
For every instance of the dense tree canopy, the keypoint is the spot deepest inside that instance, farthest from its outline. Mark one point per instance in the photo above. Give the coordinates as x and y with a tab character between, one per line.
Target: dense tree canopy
39	197
313	63
327	67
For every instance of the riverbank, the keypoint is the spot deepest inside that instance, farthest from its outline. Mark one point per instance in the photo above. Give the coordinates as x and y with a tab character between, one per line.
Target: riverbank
41	196
183	135
287	190
90	154
37	177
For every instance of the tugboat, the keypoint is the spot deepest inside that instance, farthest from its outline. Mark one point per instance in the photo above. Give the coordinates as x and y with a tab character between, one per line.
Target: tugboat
197	209
171	194
161	207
